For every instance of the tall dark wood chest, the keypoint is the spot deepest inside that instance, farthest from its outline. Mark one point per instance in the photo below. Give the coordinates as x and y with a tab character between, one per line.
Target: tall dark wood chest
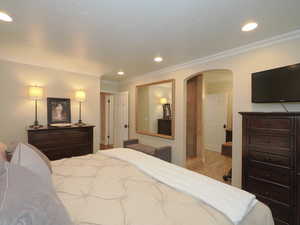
57	143
271	162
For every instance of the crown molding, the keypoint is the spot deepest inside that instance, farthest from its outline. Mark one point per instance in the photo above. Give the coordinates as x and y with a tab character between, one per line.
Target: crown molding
224	54
48	67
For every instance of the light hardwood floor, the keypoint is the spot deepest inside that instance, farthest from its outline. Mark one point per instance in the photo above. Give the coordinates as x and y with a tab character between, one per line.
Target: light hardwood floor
106	147
214	166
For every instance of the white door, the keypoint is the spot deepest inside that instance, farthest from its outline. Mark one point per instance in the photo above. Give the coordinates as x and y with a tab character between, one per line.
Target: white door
122	129
109	115
215	117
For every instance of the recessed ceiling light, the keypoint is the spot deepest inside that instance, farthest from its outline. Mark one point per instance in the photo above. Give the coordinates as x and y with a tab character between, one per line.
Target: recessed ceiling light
158	59
249	27
5	17
121	73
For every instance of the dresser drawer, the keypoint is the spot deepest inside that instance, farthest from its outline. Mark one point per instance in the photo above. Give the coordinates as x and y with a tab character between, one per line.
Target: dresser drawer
57	143
270	158
271	173
270	141
280	212
268	190
53	138
280	222
67	151
282	124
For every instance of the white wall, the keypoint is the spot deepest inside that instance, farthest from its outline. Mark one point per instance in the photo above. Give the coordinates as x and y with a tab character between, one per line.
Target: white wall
242	65
109	86
17	111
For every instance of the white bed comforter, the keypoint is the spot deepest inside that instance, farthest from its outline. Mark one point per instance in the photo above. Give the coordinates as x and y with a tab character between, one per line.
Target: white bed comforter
99	189
232	202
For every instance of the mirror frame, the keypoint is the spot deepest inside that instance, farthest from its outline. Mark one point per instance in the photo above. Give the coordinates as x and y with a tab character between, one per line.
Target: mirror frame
172	81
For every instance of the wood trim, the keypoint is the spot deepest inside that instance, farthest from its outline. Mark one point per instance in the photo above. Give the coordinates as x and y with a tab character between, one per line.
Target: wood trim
155	135
173	110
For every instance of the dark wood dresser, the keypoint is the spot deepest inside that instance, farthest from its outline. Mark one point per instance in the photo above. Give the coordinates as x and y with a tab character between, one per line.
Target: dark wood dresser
271	162
165	127
58	143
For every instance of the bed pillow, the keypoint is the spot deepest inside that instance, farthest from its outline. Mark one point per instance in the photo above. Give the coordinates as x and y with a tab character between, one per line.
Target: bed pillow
10	149
3	152
42	155
26	199
29	158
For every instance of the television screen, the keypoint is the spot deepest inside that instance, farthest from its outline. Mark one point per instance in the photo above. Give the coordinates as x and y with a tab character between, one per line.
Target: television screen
277	85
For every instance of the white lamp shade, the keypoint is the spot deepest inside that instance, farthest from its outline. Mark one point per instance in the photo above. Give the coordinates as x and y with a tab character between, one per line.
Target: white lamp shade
36	93
163	101
80	96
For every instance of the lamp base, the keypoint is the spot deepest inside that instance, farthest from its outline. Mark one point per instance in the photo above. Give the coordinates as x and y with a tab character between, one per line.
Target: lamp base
80	124
36	126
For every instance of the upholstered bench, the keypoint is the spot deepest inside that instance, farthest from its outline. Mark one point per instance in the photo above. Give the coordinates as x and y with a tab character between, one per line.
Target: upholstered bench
163	153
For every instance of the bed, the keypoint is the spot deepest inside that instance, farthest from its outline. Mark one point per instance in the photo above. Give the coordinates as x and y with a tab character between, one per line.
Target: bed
107	189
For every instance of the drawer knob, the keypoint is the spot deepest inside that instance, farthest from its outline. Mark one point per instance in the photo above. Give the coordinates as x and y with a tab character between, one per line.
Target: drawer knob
267	193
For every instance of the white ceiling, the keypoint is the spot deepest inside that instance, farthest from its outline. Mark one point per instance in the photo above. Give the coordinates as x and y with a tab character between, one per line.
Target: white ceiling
100	37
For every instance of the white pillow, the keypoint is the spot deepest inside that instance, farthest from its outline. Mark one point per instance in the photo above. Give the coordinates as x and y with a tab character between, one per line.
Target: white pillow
25	156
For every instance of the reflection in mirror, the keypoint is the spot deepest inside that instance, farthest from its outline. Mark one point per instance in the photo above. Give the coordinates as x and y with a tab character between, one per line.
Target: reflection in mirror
154	111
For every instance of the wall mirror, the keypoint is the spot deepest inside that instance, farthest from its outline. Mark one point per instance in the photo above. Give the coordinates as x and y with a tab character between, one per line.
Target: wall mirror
155	109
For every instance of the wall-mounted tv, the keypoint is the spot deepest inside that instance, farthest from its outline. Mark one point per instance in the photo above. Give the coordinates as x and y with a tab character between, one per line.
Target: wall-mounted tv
277	85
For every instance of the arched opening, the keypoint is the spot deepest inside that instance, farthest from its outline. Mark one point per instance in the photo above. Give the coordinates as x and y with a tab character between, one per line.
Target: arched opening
209	123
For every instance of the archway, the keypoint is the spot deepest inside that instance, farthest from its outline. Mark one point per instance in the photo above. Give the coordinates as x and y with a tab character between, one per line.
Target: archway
209	123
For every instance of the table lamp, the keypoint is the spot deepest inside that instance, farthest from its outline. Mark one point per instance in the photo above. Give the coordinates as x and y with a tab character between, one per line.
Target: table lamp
80	97
36	94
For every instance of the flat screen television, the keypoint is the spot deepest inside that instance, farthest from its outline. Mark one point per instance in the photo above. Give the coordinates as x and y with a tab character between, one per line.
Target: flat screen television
277	85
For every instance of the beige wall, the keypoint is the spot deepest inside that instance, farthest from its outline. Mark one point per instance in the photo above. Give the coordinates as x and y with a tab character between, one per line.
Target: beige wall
242	66
17	111
109	86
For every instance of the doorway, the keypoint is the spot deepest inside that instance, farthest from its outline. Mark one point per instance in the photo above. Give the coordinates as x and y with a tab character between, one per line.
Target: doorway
209	124
107	121
114	119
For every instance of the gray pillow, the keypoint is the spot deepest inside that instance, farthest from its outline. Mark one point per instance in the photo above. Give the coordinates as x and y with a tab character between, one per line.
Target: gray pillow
26	200
41	155
27	157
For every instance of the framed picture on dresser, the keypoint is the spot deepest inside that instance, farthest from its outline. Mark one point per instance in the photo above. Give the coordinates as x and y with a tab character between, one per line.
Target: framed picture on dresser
59	110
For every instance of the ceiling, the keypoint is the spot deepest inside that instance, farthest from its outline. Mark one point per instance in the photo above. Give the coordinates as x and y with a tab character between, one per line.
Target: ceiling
102	37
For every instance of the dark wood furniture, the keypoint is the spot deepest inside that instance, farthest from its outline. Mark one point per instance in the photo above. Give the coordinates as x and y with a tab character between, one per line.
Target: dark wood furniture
227	149
164	127
228	135
271	162
57	143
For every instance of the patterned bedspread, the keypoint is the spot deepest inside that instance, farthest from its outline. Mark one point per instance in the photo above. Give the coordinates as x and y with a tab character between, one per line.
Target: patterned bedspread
99	190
